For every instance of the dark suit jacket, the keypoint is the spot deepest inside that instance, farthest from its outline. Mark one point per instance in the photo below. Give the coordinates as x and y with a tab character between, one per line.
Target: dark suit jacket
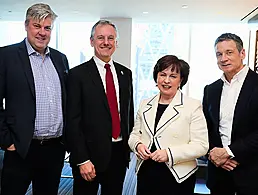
17	87
89	125
244	137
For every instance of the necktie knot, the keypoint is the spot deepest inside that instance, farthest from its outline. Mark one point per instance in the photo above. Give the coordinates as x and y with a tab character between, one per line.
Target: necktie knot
107	66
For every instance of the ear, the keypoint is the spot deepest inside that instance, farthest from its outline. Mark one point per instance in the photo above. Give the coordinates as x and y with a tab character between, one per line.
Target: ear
91	42
26	26
242	54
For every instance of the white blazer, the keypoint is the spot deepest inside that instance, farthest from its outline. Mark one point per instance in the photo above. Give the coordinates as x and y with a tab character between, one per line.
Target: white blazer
181	130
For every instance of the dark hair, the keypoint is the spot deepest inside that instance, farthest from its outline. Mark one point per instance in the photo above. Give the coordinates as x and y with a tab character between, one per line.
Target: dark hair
178	65
228	37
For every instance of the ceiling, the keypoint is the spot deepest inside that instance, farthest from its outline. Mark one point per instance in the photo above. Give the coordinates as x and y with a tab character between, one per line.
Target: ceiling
158	10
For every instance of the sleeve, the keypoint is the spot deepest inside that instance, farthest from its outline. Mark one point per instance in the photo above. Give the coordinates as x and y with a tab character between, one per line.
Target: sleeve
207	117
245	147
5	134
135	136
198	143
74	136
131	106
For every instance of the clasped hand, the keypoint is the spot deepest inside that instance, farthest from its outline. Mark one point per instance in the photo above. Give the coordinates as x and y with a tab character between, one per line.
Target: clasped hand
220	158
144	153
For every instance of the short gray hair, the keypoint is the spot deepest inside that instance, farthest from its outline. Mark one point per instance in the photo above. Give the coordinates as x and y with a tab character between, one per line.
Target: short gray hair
228	37
102	22
39	12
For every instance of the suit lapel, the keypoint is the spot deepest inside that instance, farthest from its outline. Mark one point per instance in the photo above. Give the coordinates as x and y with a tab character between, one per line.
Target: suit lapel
242	101
96	79
121	84
23	53
171	113
149	115
215	97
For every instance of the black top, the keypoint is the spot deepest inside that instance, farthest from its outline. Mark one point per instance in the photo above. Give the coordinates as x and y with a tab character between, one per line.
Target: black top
160	111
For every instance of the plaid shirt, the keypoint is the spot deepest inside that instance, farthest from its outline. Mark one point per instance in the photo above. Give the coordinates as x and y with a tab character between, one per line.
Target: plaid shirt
49	116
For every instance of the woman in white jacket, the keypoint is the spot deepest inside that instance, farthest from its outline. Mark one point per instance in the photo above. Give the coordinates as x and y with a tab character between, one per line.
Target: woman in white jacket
170	132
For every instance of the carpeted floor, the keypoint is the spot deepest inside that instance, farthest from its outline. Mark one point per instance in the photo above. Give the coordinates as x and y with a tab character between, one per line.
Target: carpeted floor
66	183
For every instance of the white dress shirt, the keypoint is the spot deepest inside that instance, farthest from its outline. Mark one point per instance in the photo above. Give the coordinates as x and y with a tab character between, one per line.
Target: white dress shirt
229	96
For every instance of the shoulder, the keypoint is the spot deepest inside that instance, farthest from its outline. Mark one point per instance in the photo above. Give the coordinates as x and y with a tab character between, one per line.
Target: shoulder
216	83
252	75
56	52
122	67
191	102
82	68
214	87
12	47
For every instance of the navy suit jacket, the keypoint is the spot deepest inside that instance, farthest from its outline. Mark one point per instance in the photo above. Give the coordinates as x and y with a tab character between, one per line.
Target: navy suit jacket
244	136
17	88
89	124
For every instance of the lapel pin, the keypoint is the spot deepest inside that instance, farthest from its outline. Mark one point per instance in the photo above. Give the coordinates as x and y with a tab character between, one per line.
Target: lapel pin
122	72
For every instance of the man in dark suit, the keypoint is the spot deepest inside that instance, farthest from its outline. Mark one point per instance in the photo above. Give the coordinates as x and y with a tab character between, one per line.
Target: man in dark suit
32	84
99	117
230	106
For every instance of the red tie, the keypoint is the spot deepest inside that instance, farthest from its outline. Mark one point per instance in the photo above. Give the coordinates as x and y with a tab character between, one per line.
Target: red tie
112	102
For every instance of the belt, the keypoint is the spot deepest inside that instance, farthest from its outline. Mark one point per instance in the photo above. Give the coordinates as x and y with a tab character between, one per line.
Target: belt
47	141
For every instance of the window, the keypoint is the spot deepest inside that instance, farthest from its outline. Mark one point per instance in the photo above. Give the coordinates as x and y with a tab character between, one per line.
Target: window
74	41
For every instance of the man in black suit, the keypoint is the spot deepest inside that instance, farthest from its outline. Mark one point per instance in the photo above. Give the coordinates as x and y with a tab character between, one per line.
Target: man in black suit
231	109
97	128
32	84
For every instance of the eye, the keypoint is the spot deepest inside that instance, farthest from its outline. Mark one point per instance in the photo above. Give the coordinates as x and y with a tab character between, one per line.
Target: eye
48	28
218	54
229	52
100	38
37	26
111	38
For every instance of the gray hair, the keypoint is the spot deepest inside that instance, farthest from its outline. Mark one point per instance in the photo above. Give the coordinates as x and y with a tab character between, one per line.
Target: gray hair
102	22
228	37
39	12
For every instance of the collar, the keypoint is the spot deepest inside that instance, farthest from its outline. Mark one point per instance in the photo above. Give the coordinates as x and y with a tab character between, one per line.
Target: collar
240	76
101	63
31	50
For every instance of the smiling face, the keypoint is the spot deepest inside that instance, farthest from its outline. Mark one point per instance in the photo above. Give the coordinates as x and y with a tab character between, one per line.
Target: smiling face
39	33
229	59
168	82
104	42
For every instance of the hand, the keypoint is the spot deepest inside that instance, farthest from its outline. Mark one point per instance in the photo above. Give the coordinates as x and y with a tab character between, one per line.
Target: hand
159	156
87	171
11	148
230	165
218	156
143	152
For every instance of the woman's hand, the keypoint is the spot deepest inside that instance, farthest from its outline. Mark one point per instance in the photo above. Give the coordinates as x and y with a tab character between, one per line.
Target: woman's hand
143	151
159	156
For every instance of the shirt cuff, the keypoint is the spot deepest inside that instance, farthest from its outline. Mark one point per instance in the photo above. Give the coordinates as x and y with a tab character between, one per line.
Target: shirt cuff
230	153
83	163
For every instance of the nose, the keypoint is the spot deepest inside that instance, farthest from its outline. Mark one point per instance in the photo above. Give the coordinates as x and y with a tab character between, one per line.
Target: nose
106	41
167	79
42	31
223	58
